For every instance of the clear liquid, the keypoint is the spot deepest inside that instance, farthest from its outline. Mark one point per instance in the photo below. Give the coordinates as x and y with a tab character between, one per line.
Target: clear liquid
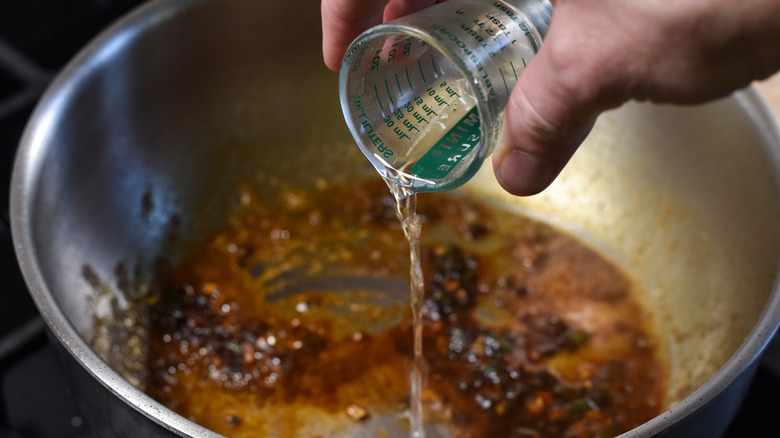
406	209
408	101
425	122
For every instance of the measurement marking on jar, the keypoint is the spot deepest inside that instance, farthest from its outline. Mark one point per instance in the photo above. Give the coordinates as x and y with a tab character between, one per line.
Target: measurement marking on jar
381	107
523	59
435	70
389	95
419	64
411	87
503	78
397	82
514	72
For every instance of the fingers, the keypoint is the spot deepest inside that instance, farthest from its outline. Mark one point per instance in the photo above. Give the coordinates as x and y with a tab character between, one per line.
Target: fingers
542	128
344	20
554	105
537	139
399	8
599	54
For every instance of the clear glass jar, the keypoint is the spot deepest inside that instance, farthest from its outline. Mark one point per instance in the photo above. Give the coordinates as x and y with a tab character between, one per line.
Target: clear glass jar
424	95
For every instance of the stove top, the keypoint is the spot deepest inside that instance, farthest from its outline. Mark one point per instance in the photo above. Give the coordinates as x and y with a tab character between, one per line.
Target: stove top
37	38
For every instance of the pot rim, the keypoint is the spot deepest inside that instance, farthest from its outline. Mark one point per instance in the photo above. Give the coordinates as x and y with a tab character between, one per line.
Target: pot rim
24	184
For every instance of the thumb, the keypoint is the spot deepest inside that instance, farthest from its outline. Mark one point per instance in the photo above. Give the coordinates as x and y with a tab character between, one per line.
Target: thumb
542	128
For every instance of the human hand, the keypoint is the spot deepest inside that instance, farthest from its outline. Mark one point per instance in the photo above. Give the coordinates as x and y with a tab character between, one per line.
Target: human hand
344	20
597	55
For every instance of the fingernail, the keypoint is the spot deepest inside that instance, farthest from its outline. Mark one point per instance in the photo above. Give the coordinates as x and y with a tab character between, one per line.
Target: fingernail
522	174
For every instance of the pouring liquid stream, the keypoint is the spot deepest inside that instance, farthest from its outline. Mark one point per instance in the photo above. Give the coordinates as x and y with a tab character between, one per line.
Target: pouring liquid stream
431	134
406	209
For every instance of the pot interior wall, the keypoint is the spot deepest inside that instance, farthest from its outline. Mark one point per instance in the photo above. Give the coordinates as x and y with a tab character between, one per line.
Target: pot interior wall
152	133
147	138
686	200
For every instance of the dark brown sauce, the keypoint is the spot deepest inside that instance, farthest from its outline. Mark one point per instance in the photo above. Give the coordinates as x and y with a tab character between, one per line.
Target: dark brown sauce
292	315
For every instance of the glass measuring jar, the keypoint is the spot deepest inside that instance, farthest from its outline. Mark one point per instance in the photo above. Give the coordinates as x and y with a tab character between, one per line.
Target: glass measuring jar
424	95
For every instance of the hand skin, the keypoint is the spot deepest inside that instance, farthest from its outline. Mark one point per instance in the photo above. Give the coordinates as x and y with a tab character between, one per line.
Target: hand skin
597	55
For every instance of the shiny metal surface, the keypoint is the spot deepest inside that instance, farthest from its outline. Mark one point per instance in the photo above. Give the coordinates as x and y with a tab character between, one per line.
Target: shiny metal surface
154	122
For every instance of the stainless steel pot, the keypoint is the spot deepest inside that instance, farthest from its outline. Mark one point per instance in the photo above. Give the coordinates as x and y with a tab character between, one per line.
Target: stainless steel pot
152	123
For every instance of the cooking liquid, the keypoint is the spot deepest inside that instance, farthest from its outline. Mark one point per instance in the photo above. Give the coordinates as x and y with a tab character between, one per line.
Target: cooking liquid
406	209
440	131
294	321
